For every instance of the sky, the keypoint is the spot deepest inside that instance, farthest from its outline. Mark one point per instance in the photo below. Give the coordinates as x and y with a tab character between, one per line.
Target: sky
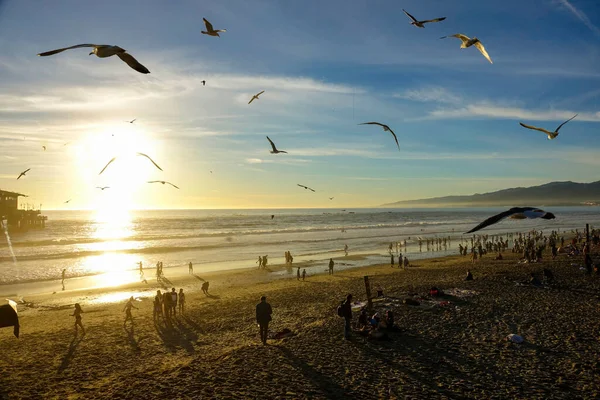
325	67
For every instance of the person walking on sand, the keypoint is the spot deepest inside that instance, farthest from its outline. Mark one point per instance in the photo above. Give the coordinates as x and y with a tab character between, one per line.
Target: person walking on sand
77	315
298	274
346	250
64	272
127	309
263	317
304	274
265	261
157	272
392	260
331	264
259	262
174	302
347	313
181	301
190	268
157	311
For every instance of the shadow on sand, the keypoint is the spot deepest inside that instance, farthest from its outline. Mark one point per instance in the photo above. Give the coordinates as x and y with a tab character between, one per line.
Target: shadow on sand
200	279
131	339
174	333
70	354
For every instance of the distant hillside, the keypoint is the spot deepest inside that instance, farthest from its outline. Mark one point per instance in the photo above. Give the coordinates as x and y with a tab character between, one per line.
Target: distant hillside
550	194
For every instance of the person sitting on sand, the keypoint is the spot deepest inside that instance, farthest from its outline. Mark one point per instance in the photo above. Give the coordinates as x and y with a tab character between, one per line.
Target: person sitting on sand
548	276
304	274
389	319
363	319
533	280
157	305
77	315
469	276
181	301
499	256
127	310
263	317
205	288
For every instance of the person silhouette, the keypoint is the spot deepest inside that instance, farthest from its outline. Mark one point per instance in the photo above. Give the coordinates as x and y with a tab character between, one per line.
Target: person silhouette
77	315
127	309
304	274
64	272
263	317
181	301
190	268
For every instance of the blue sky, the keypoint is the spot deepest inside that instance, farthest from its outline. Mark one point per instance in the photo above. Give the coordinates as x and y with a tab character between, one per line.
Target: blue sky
325	67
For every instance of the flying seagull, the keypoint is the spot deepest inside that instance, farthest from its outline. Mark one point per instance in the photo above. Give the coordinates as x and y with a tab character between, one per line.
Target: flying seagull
23	173
551	135
210	31
103	187
468	42
275	151
515	213
163	182
255	97
203	83
305	187
331	198
132	121
44	147
103	51
106	166
419	24
67	202
385	129
148	157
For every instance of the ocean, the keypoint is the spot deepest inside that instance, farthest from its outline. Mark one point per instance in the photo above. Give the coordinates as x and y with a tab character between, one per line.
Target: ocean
85	243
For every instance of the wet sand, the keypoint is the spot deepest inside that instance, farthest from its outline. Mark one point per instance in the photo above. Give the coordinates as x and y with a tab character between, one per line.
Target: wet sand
457	350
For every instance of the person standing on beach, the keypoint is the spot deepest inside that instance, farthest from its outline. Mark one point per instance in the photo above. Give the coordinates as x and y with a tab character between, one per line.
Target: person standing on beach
392	260
64	271
400	260
77	315
298	273
265	261
259	262
346	250
190	268
166	303
181	301
157	311
331	264
157	272
347	313
263	317
304	274
174	302
127	309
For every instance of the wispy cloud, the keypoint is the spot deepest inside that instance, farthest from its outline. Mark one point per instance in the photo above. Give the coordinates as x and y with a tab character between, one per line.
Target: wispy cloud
580	15
499	112
429	94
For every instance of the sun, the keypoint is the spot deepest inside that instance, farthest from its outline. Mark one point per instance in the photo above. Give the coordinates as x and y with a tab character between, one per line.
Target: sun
125	176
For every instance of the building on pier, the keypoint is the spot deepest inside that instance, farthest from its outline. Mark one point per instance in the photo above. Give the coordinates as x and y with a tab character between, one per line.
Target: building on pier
18	218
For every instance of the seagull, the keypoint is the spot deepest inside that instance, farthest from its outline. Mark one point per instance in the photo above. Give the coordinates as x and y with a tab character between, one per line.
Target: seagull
468	42
106	166
385	129
331	198
163	182
305	187
44	147
132	121
551	135
515	213
275	151
203	83
210	29
255	97
67	202
419	24
103	187
103	51
23	173
148	157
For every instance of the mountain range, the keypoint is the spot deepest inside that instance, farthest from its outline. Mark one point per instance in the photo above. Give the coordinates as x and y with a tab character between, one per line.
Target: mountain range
550	194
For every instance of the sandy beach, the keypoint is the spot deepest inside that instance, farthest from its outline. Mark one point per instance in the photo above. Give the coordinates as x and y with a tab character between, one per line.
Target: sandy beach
456	349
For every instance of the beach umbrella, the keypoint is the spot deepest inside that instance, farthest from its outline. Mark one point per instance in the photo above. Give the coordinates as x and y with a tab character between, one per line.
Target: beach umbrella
9	317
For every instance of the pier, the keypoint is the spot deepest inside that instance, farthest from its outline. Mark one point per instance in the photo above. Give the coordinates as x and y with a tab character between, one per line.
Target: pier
16	218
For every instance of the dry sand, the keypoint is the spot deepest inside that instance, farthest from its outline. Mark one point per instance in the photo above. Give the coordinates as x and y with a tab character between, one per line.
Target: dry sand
453	351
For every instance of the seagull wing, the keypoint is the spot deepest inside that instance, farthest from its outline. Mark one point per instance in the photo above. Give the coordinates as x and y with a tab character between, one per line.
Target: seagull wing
173	185
536	128
498	217
462	37
258	94
311	189
148	157
23	173
252	99
373	123
395	137
106	166
433	20
560	126
221	30
302	186
480	47
133	63
410	16
208	25
272	144
155	182
52	52
133	120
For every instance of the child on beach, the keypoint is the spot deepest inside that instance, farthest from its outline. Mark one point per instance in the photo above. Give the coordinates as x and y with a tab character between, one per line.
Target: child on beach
127	310
77	315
